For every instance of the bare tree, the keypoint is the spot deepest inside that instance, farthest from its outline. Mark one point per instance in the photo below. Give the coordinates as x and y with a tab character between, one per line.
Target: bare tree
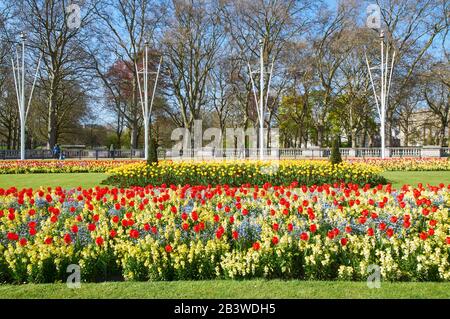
124	28
192	42
413	25
436	92
275	23
62	45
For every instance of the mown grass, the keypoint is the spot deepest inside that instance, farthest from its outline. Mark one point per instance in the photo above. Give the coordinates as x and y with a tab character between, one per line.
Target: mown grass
398	179
67	180
264	289
86	180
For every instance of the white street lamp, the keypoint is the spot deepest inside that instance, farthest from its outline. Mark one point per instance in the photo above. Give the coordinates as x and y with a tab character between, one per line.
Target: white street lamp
19	83
146	110
385	85
261	105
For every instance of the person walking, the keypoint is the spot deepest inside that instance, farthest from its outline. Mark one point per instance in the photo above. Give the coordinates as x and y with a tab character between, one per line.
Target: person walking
56	151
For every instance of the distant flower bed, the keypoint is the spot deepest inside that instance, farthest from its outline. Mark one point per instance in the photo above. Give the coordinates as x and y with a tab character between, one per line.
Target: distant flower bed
409	164
234	173
56	166
171	233
219	171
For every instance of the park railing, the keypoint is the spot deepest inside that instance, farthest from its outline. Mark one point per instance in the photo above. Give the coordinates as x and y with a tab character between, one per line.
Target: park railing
74	154
208	153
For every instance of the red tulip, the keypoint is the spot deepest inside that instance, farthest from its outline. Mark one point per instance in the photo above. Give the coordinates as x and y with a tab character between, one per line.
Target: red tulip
23	242
67	239
304	236
134	233
12	236
290	227
99	241
423	235
390	232
275	240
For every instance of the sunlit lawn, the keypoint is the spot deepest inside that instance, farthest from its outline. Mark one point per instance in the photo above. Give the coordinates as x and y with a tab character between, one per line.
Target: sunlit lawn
66	180
87	180
262	289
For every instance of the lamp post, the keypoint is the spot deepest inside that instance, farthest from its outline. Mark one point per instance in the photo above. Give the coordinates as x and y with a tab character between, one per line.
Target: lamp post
19	84
381	99
146	109
261	105
22	100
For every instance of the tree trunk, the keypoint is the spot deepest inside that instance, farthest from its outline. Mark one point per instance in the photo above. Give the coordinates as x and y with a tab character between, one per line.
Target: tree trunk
134	134
353	138
442	132
320	133
51	125
9	138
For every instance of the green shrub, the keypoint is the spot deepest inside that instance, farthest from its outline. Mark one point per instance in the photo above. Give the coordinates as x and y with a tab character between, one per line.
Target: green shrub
152	152
335	157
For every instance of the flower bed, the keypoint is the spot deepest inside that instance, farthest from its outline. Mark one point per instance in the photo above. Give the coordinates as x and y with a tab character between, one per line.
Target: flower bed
212	168
237	173
56	166
170	233
409	164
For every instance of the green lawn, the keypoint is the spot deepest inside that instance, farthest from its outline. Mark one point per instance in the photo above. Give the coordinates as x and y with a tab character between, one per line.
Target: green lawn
52	180
92	179
263	289
398	179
